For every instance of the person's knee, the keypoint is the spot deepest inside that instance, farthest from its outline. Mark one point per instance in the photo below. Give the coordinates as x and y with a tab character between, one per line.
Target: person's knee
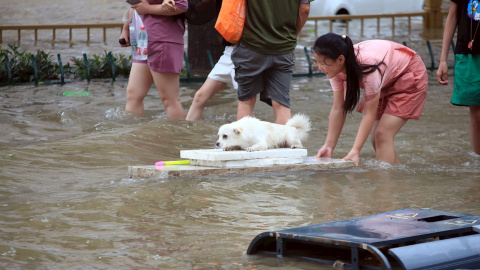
170	101
248	103
245	108
282	113
475	114
381	136
199	98
134	95
130	91
167	102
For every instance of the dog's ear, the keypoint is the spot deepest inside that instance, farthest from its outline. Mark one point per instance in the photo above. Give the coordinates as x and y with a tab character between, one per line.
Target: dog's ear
238	130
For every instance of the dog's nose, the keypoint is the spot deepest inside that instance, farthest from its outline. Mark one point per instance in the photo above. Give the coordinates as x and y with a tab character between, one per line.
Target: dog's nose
217	144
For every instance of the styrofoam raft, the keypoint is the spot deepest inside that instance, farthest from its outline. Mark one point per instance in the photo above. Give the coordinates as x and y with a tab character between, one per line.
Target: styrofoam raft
234	159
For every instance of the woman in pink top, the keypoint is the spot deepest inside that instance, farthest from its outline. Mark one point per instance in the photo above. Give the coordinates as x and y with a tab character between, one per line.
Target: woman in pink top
165	28
394	82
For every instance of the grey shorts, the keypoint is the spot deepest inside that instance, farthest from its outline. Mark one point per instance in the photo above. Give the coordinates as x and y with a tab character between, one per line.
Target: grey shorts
266	74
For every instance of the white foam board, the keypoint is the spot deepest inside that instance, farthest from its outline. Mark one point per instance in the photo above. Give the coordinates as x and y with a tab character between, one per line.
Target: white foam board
246	162
220	155
160	172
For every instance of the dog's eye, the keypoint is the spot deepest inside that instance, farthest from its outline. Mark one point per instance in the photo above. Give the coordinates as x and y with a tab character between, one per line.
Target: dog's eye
224	136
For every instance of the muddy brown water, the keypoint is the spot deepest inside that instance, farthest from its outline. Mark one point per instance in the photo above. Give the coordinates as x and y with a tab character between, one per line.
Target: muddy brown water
66	201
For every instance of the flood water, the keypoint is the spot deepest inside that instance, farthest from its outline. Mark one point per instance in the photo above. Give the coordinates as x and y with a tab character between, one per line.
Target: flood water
66	201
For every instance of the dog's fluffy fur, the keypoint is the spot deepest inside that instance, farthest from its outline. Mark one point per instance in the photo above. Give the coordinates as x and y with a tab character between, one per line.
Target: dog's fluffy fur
251	134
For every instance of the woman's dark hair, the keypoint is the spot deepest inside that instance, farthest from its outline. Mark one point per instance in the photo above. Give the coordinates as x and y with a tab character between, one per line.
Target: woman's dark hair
332	46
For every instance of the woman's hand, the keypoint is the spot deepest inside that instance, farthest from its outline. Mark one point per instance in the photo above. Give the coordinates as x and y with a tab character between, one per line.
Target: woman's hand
142	8
127	41
353	155
325	151
169	5
167	8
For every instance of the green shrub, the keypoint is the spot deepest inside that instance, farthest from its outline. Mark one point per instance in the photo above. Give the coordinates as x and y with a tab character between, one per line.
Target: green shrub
21	65
48	69
100	66
123	65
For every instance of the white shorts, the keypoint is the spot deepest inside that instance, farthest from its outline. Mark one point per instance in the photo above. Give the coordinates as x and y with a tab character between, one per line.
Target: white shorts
224	71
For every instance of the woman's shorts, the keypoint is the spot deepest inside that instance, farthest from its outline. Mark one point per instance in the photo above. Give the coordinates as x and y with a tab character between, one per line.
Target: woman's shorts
406	97
164	57
466	82
224	71
268	75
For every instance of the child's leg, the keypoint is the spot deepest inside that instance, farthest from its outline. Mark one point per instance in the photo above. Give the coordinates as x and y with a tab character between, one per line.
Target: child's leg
168	87
208	89
384	135
475	128
139	83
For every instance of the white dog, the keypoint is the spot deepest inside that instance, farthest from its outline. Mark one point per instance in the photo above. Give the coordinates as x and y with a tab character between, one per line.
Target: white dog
251	134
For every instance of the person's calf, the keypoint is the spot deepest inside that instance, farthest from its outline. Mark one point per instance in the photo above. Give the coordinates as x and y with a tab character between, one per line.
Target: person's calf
475	128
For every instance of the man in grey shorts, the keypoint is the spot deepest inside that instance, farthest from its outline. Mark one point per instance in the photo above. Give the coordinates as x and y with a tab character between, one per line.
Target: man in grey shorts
263	59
